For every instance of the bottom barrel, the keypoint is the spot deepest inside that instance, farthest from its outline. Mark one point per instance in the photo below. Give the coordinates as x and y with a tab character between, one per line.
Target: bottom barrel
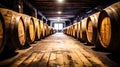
109	27
14	35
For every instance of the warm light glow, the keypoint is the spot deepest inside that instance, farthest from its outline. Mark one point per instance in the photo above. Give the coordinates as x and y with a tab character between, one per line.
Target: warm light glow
60	1
19	6
59	12
58	26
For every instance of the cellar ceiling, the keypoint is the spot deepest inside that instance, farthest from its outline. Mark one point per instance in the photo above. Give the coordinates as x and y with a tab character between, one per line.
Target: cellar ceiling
59	9
67	9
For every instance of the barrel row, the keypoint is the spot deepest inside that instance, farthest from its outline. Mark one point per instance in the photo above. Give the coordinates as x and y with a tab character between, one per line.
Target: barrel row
101	29
18	30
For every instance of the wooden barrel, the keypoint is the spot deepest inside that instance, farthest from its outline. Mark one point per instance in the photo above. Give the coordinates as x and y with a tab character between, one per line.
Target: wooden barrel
109	27
78	30
48	28
14	29
42	29
2	32
91	30
68	30
83	35
21	32
29	28
37	28
71	30
74	29
32	30
45	29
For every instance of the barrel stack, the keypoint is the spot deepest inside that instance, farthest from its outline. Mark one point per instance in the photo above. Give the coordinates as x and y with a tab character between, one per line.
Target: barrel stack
18	30
101	28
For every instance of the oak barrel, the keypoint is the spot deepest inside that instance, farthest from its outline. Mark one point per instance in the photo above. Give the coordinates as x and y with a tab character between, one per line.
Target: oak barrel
68	29
83	35
48	30
45	29
2	32
109	27
37	29
74	29
71	30
42	29
14	29
29	28
78	30
92	29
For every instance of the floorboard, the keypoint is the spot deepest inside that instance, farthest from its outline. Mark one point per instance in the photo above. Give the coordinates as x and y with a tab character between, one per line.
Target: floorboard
58	50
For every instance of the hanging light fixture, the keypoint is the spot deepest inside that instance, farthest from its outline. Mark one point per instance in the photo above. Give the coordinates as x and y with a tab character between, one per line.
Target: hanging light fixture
60	1
59	12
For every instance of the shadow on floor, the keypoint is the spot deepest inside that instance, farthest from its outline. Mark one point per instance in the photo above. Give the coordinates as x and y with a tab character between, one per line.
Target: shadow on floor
99	50
7	55
88	44
25	47
114	57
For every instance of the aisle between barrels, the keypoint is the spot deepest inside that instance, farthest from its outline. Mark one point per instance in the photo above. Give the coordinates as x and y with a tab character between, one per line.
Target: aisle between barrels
58	50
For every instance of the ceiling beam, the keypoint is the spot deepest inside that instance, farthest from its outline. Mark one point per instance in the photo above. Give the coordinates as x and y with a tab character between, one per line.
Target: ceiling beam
71	16
60	8
87	1
50	10
53	12
64	5
68	7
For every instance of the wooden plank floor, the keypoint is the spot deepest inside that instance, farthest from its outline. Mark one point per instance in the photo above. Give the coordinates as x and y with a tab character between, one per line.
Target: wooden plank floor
57	50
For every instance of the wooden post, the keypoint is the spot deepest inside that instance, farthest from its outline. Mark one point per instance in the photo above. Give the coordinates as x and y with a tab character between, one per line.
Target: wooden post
18	6
34	13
